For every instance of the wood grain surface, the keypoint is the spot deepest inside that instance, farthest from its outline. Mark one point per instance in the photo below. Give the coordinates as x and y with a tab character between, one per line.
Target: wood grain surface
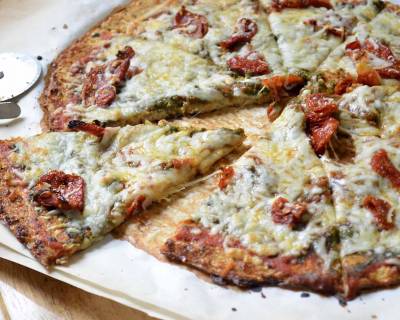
29	295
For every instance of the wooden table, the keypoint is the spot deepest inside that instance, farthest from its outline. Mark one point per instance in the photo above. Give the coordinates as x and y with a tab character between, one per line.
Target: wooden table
27	294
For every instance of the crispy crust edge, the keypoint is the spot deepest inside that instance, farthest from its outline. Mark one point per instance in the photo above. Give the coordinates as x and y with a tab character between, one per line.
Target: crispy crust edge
244	268
365	272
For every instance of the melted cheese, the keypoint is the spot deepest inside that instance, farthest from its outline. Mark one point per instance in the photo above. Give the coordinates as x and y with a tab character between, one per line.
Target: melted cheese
359	233
302	47
390	116
364	12
337	60
127	164
385	26
283	165
366	102
371	111
222	17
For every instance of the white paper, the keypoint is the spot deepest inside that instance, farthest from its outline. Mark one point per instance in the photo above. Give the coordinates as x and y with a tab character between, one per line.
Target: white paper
115	269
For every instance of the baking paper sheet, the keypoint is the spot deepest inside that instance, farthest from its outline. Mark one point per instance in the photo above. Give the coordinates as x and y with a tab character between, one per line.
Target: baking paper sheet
115	269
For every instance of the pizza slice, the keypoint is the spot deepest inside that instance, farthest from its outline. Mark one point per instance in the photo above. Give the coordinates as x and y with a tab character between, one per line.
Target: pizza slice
269	220
179	57
62	191
307	31
365	194
361	159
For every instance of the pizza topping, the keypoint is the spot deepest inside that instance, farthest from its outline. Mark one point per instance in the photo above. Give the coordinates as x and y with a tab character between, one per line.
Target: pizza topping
91	128
380	210
383	166
330	29
192	24
252	64
105	96
279	5
374	60
133	72
100	89
333	24
344	85
225	178
366	74
390	72
244	32
287	213
57	189
137	205
319	107
320	121
321	134
274	110
126	53
94	80
281	85
180	163
79	66
190	232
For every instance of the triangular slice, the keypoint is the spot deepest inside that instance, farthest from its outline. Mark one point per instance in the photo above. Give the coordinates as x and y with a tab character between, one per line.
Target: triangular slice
307	31
60	192
362	162
366	193
270	220
180	57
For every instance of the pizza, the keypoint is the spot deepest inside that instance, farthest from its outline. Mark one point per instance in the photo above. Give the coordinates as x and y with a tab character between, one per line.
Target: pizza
304	183
62	191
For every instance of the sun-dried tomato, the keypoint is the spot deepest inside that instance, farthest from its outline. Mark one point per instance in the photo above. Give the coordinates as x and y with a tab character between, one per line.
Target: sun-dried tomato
244	32
380	210
192	24
287	213
92	128
382	165
57	189
226	176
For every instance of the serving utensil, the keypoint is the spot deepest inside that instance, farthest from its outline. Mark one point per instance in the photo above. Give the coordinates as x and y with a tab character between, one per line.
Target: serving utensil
18	73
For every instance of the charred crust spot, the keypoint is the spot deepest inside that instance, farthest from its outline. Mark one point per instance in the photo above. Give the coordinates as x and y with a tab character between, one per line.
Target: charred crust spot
95	128
75	124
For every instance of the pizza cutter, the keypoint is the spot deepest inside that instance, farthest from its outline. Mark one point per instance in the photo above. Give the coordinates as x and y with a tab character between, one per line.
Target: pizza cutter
18	73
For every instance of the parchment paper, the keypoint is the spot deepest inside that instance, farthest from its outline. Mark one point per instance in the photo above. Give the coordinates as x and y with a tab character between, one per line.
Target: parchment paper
115	269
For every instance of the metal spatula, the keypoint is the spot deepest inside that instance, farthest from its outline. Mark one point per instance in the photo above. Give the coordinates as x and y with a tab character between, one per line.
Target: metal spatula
18	73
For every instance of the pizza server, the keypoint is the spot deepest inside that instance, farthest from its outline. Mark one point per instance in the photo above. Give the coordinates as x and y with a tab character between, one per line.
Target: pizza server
18	73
